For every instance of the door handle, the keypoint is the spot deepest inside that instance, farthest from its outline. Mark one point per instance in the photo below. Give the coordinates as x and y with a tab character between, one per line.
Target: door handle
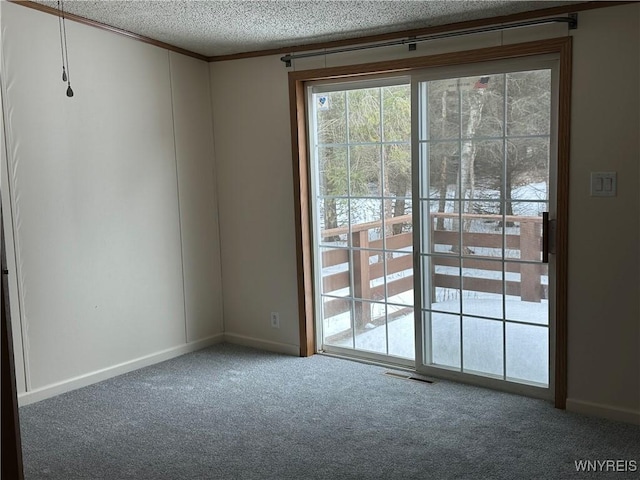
548	237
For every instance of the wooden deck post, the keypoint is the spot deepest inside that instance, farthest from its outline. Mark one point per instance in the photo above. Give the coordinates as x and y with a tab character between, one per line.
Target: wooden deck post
529	273
361	282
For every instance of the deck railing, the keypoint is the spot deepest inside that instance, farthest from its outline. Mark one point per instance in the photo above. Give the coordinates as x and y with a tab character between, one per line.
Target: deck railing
525	246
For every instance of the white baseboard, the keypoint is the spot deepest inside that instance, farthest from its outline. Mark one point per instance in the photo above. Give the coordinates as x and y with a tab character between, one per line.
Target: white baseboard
109	372
604	411
262	344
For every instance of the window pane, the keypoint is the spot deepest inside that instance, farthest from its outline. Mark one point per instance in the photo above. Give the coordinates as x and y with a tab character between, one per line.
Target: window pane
401	331
443	159
482	346
336	271
488	166
333	221
482	227
440	231
364	115
370	323
397	170
528	353
445	339
528	102
365	170
331	119
366	222
524	230
482	288
482	106
480	170
368	275
527	297
332	171
443	109
441	283
527	169
399	277
337	325
397	224
397	113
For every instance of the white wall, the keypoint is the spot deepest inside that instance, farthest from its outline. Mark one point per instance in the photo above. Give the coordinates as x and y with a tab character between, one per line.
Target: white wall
255	182
113	201
198	196
255	177
604	318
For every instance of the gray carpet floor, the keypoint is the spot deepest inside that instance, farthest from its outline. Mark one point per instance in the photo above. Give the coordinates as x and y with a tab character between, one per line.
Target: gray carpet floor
230	412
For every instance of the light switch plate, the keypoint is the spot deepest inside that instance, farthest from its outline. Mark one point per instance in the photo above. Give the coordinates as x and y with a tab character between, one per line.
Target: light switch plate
603	184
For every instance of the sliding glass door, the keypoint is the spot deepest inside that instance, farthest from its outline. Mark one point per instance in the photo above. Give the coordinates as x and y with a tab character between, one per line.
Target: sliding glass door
431	195
484	166
361	170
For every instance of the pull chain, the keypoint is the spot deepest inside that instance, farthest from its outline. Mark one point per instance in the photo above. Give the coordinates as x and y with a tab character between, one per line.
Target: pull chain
66	71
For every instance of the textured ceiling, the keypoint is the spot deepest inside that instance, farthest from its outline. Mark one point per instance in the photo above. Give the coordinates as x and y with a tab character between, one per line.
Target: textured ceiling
218	27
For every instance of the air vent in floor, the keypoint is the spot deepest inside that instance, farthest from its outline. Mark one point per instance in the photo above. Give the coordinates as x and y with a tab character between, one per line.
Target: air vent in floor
408	376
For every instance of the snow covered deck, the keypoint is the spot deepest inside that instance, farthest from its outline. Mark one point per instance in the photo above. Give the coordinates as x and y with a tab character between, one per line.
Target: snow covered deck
526	346
486	286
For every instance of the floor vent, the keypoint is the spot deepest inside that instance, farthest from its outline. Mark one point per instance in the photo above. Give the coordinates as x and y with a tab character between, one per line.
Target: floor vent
408	376
421	379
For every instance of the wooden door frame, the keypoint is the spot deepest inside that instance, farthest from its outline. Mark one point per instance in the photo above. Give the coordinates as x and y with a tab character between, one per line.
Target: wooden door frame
303	202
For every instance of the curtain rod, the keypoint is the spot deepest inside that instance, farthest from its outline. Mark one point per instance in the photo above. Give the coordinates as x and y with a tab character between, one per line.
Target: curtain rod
571	20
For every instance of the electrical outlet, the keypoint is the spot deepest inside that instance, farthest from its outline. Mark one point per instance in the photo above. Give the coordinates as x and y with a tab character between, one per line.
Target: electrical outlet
275	320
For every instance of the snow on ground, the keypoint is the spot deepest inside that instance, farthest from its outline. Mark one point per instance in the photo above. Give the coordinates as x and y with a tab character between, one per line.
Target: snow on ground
527	346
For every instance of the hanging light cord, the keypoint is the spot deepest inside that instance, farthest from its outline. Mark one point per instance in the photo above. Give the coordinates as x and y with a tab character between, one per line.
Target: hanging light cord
66	72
